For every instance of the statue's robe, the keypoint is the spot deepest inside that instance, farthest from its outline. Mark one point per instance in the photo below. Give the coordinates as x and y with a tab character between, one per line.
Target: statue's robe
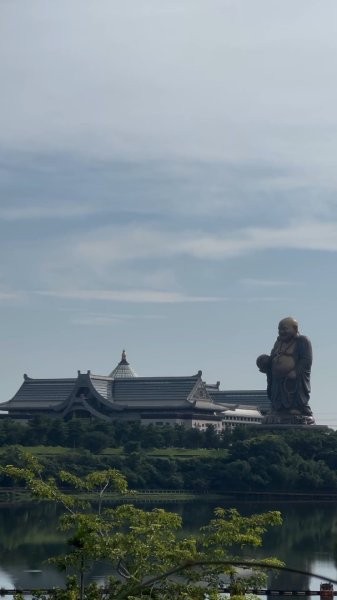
290	393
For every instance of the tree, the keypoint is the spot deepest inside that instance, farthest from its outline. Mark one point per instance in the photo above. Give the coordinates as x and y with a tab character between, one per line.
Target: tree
193	438
152	437
37	430
95	441
212	439
57	434
76	433
132	446
143	547
12	432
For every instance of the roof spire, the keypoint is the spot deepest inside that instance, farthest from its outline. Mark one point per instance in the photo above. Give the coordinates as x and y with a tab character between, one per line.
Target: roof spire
123	369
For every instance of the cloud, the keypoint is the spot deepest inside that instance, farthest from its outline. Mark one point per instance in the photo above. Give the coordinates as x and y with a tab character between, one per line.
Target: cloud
151	261
35	186
8	293
308	235
101	319
303	236
265	299
267	282
4	296
48	211
133	296
214	81
197	194
136	243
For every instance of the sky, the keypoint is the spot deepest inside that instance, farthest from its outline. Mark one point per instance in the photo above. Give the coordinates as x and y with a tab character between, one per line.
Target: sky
167	185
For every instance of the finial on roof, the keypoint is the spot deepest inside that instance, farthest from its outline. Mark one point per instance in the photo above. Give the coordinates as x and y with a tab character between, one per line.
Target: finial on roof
124	361
123	369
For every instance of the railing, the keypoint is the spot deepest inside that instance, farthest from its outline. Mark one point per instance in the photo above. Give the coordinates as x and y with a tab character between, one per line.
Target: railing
259	592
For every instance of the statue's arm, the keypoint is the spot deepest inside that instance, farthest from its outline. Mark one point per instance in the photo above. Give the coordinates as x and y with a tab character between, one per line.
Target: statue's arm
264	363
304	355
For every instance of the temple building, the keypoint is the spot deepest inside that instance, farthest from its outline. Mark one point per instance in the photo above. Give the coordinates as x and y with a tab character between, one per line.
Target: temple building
187	401
248	398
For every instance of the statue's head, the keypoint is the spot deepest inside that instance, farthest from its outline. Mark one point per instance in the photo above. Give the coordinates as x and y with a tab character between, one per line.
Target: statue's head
287	329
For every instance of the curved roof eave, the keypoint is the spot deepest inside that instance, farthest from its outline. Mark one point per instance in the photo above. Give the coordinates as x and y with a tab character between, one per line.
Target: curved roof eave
90	410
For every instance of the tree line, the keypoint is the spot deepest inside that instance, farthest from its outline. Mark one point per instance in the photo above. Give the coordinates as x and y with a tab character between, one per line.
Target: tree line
95	435
249	459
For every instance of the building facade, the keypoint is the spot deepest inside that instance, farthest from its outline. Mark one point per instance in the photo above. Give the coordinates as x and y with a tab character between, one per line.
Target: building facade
186	401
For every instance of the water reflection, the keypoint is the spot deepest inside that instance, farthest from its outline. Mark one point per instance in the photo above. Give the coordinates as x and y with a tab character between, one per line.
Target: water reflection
28	537
306	541
307	535
6	581
325	567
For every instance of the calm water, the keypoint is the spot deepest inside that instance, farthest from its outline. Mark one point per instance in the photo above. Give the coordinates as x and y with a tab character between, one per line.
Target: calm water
307	541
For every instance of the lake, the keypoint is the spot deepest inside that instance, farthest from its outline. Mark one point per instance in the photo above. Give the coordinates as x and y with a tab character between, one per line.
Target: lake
306	541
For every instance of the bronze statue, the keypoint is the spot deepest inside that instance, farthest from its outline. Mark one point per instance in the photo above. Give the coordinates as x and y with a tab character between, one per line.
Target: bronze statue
288	376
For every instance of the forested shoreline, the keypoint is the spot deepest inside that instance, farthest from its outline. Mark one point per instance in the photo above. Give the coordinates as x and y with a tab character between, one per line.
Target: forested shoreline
174	458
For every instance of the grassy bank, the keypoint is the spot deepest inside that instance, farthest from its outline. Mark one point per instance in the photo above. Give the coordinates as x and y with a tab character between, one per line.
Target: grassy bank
158	452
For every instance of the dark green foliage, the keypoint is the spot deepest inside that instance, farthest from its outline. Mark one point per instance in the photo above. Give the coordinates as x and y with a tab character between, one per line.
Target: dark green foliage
291	460
212	439
132	446
78	433
96	441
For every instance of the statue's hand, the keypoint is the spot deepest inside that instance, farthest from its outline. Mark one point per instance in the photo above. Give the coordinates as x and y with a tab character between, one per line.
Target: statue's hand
263	363
292	374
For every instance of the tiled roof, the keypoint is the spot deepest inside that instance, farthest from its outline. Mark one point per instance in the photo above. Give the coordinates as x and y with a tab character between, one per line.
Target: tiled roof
208	405
133	393
42	393
153	390
102	385
256	398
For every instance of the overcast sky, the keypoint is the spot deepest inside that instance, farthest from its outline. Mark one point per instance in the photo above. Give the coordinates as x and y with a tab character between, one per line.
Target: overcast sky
168	186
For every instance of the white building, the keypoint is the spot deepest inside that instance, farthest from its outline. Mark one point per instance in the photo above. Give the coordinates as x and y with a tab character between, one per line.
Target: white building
241	415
